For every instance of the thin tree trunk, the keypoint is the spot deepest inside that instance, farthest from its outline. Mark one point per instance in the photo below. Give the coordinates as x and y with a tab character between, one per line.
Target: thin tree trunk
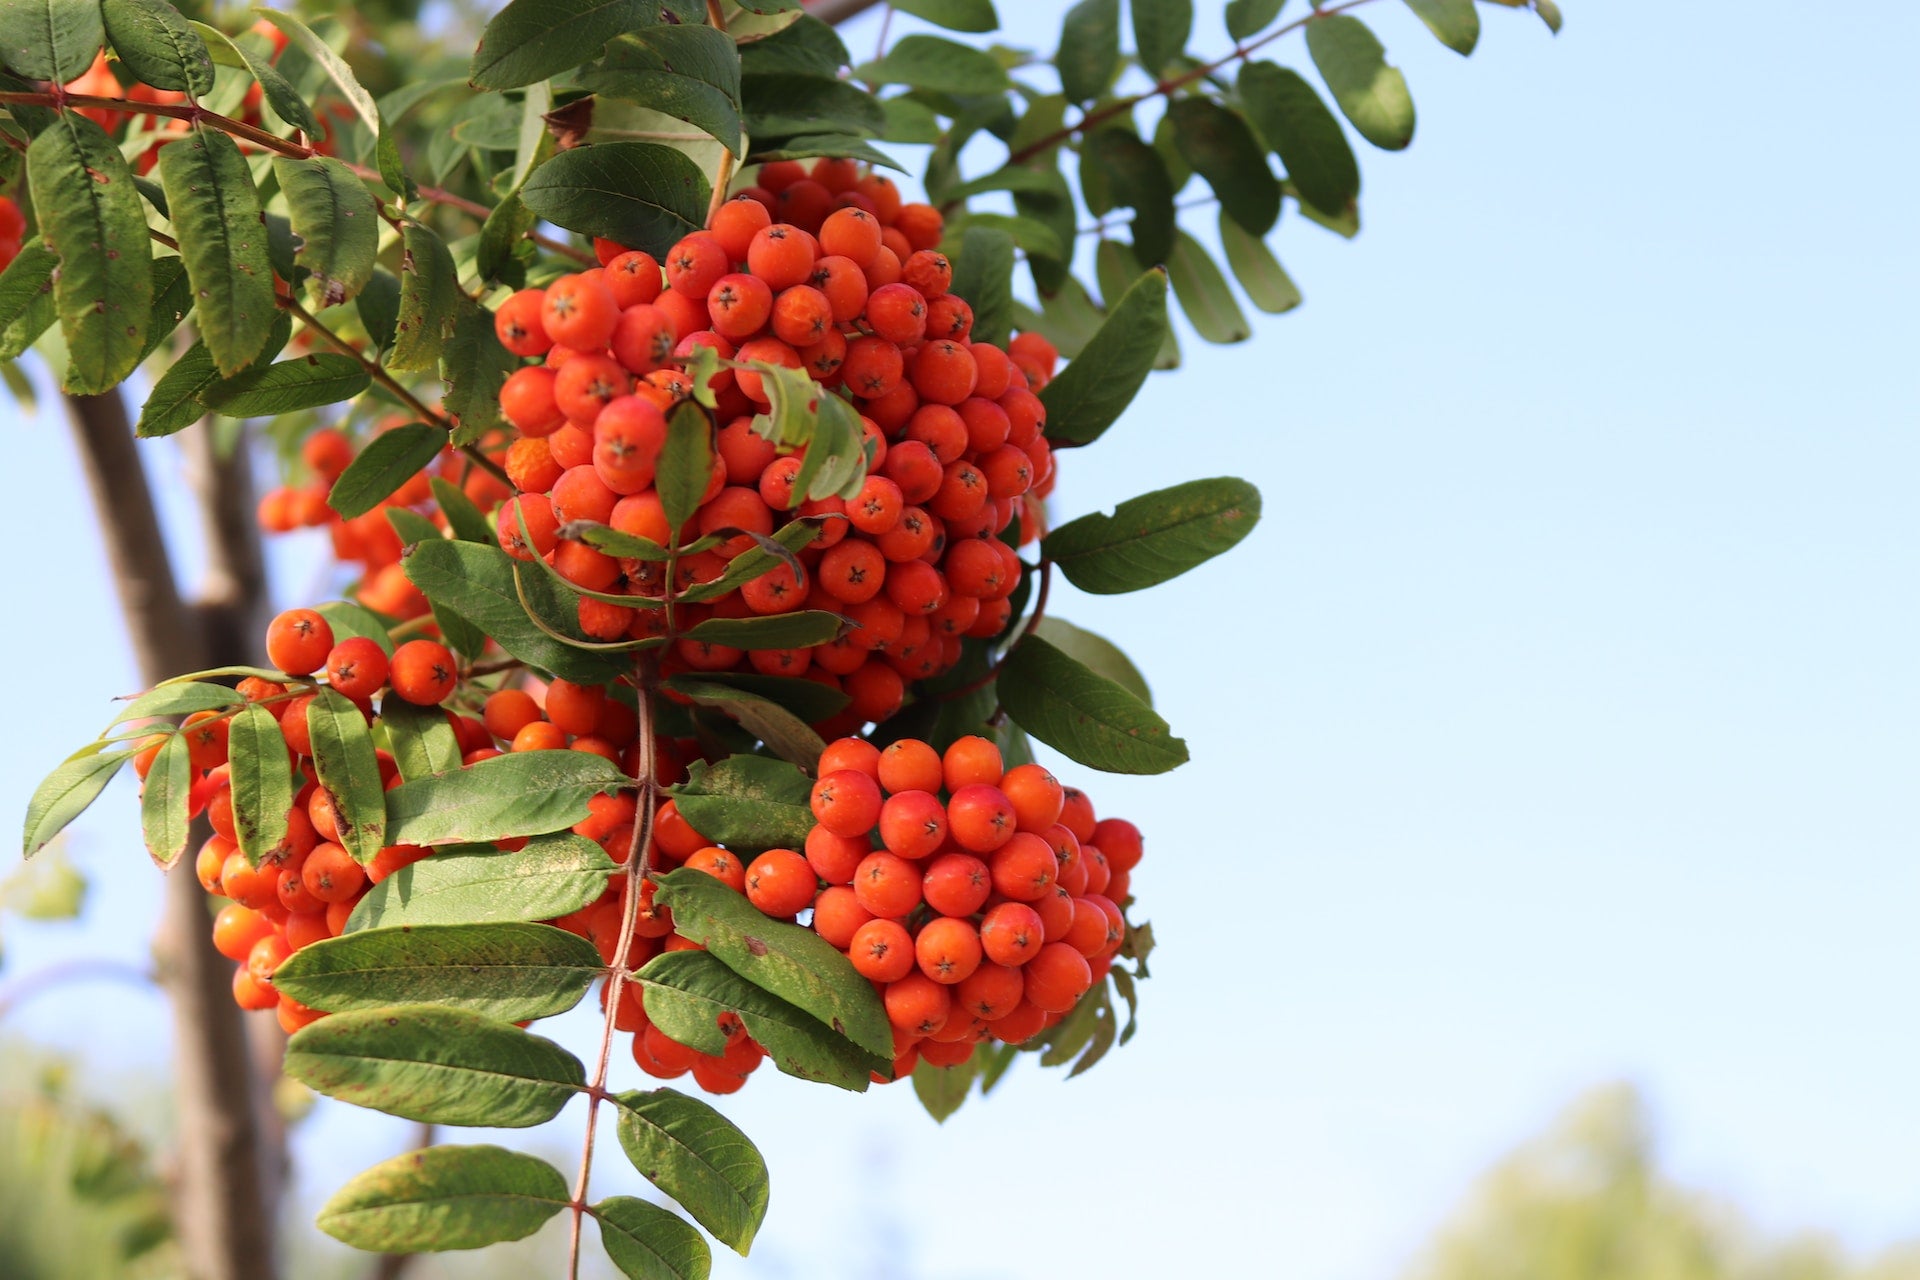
222	1211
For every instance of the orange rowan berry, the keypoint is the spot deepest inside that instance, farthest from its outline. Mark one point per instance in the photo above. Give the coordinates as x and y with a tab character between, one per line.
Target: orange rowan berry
722	864
527	400
887	885
519	324
634	277
540	735
838	915
948	950
918	1004
928	272
897	313
298	641
424	672
1012	933
578	311
252	995
1057	977
735	223
801	316
956	884
847	802
331	875
236	929
780	882
782	255
882	951
913	824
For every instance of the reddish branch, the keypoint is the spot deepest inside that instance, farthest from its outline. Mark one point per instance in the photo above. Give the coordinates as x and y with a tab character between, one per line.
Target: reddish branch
639	853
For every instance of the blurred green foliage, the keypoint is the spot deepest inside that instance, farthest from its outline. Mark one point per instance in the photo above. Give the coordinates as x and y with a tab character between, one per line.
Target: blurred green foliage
1587	1201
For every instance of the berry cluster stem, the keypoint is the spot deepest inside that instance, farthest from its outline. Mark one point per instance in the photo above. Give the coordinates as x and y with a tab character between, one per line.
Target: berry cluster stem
378	372
646	676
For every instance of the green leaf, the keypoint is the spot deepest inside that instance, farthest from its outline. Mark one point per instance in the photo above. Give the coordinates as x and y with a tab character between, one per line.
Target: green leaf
1132	175
429	300
378	307
172	300
531	40
975	17
1084	716
650	1243
983	275
1155	537
64	794
50	39
1550	14
1204	296
941	1090
305	382
689	72
634	193
1257	270
92	218
1097	653
463	517
262	780
1371	94
158	45
809	48
501	234
747	803
477	884
802	413
1455	23
773	631
754	561
1105	1024
939	64
26	298
700	1158
344	759
163	802
476	582
279	93
811	701
796	964
1160	31
686	463
1089	56
1303	132
349	619
389	460
338	224
421	740
174	403
437	1066
686	992
178	700
1087	396
331	63
843	146
1116	266
445	1198
785	734
782	106
510	971
1223	150
522	793
1250	17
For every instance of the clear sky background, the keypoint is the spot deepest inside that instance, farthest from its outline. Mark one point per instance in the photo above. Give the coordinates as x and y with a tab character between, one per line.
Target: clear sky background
1557	725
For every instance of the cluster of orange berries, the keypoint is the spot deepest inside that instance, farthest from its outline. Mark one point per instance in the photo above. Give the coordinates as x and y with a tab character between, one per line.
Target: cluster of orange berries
305	888
369	540
13	228
848	286
981	902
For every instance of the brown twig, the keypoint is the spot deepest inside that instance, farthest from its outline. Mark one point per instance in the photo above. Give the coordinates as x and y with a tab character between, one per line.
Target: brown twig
178	111
378	372
645	674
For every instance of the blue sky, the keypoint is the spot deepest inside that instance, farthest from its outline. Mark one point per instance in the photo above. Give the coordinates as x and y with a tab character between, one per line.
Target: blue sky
1556	726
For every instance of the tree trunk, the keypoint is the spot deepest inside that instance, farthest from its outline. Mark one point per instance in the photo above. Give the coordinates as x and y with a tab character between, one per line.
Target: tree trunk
223	1201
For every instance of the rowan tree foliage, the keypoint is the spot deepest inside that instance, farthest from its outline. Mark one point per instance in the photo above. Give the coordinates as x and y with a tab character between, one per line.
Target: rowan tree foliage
691	460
